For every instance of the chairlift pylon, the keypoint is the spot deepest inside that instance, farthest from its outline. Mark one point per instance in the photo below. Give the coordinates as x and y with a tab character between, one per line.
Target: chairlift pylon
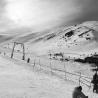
22	45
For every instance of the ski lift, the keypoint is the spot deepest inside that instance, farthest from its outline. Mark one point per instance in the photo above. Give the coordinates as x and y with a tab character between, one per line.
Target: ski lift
22	45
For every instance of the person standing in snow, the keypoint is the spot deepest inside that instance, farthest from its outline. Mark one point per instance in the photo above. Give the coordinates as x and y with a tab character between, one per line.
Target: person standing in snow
95	82
77	93
28	60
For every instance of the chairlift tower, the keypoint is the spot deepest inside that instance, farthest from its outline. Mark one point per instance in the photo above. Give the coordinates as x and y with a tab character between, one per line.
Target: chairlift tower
23	48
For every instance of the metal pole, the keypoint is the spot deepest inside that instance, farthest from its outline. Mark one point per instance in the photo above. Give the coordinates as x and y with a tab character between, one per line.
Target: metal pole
23	52
13	50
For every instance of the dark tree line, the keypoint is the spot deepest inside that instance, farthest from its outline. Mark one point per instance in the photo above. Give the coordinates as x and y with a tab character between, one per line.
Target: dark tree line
90	60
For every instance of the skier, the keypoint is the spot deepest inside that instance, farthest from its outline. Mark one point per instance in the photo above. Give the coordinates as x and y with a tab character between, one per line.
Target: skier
77	93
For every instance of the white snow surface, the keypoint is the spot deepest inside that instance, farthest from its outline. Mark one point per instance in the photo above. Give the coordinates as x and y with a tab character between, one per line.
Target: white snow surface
21	81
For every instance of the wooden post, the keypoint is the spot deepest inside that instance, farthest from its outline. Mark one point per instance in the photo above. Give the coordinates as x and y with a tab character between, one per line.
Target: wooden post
65	71
34	63
39	64
50	54
50	66
80	79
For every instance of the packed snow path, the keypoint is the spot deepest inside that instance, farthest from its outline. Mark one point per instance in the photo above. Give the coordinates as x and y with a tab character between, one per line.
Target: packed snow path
17	81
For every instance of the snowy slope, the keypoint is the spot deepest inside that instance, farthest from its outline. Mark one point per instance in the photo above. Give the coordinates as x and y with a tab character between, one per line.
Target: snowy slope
81	38
20	81
78	39
16	81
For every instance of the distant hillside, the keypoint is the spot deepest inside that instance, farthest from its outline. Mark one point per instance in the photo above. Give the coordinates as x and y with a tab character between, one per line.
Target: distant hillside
76	39
81	38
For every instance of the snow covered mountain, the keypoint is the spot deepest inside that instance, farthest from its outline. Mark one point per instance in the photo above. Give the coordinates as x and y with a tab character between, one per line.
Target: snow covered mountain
71	40
76	39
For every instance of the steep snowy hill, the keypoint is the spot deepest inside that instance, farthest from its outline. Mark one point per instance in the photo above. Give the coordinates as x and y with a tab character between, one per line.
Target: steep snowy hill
77	39
81	38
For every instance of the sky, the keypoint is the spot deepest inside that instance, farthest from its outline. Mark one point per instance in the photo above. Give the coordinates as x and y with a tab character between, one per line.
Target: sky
37	15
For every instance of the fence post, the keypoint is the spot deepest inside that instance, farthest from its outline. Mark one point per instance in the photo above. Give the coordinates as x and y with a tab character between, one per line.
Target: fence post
39	64
34	63
79	78
65	71
50	66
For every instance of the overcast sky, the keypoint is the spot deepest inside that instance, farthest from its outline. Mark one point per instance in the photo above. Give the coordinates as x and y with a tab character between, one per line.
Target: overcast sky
43	14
